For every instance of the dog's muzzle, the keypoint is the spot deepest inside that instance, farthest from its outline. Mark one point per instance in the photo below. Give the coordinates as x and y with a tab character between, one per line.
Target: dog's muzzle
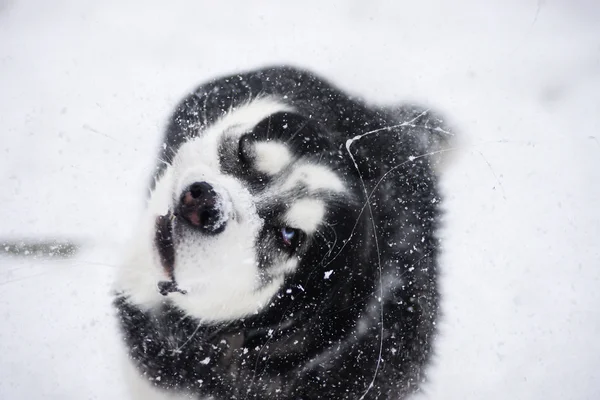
201	207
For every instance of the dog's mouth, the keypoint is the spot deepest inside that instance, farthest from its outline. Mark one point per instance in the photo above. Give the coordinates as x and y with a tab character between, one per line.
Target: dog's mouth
163	241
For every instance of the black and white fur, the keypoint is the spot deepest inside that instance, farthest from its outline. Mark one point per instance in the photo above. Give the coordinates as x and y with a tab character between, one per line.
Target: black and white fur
313	273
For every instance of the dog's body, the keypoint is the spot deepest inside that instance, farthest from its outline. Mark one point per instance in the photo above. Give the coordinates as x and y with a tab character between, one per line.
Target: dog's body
291	232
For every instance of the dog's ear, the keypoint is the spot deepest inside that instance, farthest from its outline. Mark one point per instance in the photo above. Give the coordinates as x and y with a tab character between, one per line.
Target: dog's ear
405	133
363	158
430	135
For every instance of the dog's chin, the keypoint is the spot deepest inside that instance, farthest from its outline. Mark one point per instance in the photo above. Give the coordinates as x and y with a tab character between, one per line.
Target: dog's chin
213	277
211	300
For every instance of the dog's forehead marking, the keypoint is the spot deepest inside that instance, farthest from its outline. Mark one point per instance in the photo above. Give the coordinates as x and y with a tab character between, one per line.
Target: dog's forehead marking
306	214
315	177
271	157
247	115
204	148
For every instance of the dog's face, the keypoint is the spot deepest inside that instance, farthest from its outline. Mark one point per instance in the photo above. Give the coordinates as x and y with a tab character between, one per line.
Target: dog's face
239	208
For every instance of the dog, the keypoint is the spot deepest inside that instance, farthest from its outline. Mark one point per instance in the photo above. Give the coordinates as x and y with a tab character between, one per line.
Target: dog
288	249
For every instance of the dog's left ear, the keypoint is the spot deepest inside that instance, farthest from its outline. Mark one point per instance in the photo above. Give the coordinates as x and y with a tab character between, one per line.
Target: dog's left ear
411	133
429	133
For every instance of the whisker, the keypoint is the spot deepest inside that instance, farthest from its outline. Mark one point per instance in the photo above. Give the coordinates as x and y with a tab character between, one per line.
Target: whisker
410	159
295	133
327	243
178	349
493	173
387	128
258	357
7	282
49	268
261	351
204	117
348	144
22	279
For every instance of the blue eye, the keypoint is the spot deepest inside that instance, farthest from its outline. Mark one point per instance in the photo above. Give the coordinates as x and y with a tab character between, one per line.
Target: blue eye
288	234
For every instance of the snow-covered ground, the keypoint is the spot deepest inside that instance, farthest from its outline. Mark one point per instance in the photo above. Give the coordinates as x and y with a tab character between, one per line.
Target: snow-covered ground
86	87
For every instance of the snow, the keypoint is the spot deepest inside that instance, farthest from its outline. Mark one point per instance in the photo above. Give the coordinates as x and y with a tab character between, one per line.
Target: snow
87	87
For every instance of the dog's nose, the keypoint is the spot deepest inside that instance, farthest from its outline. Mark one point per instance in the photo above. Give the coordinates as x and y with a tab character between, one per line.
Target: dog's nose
201	206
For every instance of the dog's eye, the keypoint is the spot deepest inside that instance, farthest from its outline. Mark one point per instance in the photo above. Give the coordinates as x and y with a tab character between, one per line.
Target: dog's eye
290	236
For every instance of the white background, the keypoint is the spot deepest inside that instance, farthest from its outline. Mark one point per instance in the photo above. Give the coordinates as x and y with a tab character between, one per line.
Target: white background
86	88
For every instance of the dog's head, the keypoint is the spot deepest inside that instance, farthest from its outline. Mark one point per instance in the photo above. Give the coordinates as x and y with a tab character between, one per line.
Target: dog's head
240	209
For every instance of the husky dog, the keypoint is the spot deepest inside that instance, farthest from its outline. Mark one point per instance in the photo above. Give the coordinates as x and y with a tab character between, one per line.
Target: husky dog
288	248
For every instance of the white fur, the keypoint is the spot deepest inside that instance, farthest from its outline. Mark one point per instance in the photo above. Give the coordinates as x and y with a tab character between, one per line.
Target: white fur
198	159
141	270
249	114
306	214
271	157
284	267
315	178
220	273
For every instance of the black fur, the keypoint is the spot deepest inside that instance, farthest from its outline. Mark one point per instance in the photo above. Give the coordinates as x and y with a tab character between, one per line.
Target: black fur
318	338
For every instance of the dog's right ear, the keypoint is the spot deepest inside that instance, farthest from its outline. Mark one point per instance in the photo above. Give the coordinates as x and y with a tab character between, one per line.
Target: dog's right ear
429	134
362	157
412	132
